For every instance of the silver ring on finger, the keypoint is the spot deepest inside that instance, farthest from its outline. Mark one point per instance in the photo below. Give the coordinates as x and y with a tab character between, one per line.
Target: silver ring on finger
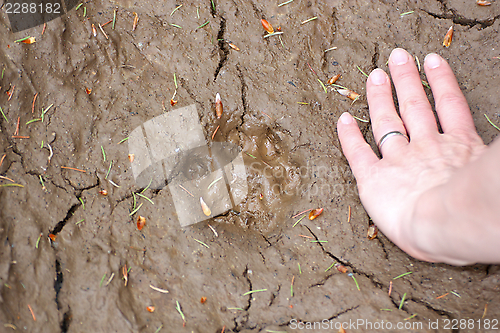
386	136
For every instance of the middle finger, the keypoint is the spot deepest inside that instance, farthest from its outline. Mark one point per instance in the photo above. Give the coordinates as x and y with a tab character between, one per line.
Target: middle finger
414	106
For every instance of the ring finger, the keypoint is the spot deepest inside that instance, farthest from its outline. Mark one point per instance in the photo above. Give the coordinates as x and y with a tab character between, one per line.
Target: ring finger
383	114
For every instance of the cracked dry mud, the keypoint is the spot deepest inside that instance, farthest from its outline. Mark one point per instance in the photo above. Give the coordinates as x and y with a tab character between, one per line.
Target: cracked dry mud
74	284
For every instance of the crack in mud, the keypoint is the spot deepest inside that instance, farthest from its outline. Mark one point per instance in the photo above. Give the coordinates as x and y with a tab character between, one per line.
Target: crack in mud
375	57
60	225
239	326
274	295
460	19
243	91
66	321
245	275
223	48
447	314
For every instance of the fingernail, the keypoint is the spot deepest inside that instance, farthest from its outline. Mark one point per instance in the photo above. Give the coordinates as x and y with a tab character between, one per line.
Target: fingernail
432	60
346	118
399	57
378	77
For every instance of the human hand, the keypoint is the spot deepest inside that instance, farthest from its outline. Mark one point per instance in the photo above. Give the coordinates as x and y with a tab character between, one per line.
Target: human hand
390	187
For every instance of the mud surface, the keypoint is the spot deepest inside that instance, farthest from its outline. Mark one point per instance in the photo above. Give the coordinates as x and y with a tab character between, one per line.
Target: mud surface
75	282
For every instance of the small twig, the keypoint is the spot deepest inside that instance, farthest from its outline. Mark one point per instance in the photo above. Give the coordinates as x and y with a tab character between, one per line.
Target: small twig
407	13
362	120
324	88
355	281
176	8
3	114
301	213
11	93
17	126
212	183
33	105
442	296
38	240
215	232
298	221
113	183
362	71
402	301
145	197
199	241
285	3
253	291
135	210
329	267
109	169
213	135
178	308
498	128
309	20
400	276
121	141
274	34
204	24
103	32
111	278
102	280
349	216
70	168
32	313
186	190
158	289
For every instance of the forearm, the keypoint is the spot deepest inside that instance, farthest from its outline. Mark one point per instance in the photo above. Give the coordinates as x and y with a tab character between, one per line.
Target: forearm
459	222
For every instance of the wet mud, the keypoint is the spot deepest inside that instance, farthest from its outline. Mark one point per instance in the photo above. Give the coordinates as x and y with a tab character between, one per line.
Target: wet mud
73	259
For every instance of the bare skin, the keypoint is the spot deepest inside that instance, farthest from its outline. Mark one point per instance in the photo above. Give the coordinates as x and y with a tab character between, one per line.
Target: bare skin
437	197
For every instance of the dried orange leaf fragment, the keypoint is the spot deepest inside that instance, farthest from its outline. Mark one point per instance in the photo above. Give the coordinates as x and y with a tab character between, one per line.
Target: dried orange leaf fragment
52	237
131	157
315	213
205	208
341	268
333	79
88	91
348	93
150	309
267	26
141	221
483	3
136	20
372	232
203	300
448	37
103	192
172	102
30	40
218	106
